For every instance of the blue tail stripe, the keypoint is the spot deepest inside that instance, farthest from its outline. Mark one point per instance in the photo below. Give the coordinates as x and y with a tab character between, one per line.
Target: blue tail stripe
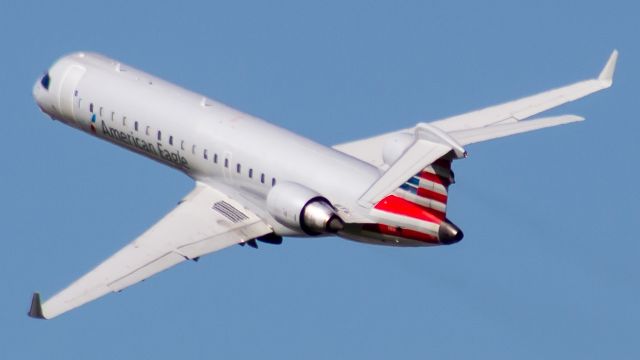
414	180
409	188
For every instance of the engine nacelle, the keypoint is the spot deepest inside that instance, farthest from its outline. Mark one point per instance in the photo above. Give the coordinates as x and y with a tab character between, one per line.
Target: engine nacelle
395	147
301	208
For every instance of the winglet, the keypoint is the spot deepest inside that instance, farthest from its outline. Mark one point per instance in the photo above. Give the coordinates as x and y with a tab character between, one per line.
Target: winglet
606	74
36	307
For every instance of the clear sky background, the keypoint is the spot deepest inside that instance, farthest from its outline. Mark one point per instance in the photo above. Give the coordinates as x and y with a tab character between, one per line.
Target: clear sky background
549	264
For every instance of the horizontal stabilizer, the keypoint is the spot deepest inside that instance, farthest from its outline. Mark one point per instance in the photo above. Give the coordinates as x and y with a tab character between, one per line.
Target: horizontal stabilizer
470	136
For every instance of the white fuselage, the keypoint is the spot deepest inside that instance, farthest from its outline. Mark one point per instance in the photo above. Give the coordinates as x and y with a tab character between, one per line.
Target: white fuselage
205	139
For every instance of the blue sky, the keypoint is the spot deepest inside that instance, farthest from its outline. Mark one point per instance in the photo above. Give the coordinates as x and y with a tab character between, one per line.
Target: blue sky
549	263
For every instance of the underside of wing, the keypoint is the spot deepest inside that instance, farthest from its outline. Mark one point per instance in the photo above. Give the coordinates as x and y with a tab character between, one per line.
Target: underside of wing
205	221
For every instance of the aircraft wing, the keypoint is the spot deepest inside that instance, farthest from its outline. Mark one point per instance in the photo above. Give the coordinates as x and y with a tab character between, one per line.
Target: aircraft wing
507	118
524	108
206	220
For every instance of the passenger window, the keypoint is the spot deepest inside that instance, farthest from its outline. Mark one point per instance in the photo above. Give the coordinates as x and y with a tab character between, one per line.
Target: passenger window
91	107
250	173
181	144
135	125
238	168
215	158
273	181
193	149
124	121
226	163
159	135
171	140
206	156
113	115
262	178
146	130
100	111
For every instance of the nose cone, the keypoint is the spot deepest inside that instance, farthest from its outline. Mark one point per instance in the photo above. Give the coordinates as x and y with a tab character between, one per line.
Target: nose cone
38	93
449	234
36	90
41	91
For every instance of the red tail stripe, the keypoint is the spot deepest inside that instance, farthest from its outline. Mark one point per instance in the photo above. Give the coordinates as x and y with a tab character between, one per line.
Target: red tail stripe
434	178
400	206
400	232
432	195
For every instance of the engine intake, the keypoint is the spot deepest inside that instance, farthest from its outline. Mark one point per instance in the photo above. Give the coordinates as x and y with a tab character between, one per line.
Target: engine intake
301	208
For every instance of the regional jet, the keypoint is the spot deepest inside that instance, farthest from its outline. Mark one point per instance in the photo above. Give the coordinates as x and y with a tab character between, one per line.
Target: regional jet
255	181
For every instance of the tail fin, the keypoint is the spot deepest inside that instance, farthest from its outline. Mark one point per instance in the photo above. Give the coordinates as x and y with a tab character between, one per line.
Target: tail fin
429	145
410	198
430	187
418	208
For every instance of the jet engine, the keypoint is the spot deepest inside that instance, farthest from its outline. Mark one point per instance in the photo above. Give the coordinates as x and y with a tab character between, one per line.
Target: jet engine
301	208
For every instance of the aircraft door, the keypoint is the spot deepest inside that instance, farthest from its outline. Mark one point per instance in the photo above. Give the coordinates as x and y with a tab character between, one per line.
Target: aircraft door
68	100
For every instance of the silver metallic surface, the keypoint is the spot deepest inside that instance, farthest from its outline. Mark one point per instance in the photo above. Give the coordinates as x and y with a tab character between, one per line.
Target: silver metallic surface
319	217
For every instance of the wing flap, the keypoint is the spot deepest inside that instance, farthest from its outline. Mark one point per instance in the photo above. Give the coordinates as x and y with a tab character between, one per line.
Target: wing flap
191	230
209	245
147	270
465	137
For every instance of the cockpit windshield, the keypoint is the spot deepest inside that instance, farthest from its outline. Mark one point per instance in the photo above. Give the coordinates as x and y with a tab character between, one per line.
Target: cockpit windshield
45	81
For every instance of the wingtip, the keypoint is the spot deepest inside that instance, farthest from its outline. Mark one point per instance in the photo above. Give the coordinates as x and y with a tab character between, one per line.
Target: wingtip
35	311
574	118
606	75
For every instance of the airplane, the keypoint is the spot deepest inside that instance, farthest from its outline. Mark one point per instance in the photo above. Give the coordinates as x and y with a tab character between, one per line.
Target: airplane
255	181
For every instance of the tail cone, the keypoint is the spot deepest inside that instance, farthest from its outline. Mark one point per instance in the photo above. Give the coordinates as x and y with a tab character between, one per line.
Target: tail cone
449	234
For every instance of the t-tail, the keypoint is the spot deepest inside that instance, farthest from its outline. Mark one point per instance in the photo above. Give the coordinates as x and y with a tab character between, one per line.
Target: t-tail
409	200
419	207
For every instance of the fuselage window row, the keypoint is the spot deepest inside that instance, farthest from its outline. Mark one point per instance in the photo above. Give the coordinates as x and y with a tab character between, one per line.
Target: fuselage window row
205	152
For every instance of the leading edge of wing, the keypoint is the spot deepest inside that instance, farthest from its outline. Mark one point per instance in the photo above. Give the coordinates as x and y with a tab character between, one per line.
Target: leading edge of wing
205	221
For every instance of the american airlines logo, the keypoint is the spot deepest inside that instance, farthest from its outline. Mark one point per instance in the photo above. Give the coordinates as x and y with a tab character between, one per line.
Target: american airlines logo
156	149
